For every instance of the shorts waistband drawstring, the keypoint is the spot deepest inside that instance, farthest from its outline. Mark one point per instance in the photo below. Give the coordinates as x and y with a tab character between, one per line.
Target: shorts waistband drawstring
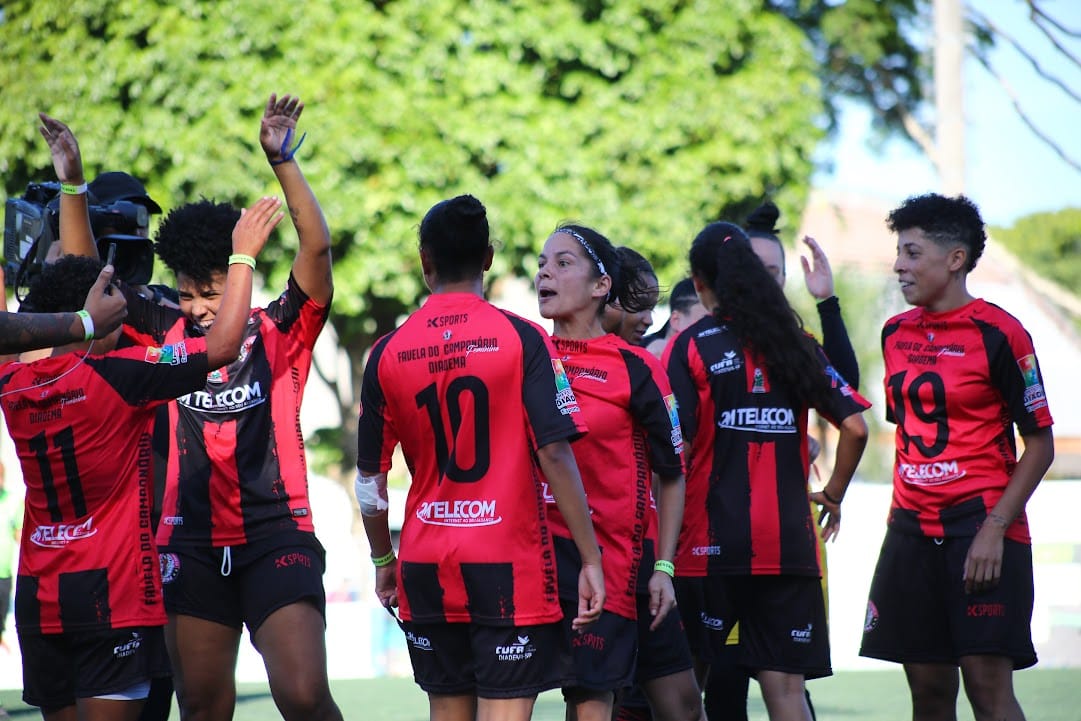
227	561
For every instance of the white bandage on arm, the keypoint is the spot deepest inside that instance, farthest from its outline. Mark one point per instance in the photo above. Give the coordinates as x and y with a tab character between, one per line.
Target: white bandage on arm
371	493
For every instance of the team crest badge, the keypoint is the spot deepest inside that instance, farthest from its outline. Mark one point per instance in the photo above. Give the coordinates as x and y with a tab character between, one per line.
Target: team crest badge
759	381
870	619
245	349
169	564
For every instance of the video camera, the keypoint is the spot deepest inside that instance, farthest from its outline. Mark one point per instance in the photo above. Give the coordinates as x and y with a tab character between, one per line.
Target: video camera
31	224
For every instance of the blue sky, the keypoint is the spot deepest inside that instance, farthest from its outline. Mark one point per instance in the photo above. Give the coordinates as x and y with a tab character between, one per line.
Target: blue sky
1010	172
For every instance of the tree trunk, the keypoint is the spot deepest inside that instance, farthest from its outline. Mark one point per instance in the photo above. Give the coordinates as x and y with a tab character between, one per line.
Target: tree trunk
949	100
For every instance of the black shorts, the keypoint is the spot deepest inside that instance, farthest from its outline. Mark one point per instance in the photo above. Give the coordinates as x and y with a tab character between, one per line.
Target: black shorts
603	653
60	668
664	650
244	584
782	622
691	597
918	611
487	661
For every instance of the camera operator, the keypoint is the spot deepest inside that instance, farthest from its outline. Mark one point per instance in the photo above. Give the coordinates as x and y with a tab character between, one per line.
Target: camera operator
118	194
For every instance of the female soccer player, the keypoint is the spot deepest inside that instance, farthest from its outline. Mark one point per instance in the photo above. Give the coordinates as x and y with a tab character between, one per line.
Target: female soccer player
726	690
953	585
236	537
476	399
665	686
743	378
627	403
637	272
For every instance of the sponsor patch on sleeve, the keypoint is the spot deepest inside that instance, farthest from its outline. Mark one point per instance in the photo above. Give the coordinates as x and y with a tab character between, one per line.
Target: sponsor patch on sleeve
1034	396
565	400
673	417
173	354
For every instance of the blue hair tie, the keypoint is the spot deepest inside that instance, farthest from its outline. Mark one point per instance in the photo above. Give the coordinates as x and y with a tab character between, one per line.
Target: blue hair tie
287	153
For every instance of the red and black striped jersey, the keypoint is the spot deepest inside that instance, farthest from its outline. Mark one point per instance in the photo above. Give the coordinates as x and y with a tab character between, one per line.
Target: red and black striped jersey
747	510
82	430
633	431
956	384
469	391
237	470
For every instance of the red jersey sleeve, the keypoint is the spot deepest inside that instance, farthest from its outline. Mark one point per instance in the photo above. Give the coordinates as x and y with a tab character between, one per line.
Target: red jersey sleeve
678	359
145	375
550	404
1015	372
844	400
297	315
376	438
653	406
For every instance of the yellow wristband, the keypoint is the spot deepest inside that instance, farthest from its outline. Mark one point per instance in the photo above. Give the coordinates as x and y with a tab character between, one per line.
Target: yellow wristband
384	560
69	189
665	567
241	258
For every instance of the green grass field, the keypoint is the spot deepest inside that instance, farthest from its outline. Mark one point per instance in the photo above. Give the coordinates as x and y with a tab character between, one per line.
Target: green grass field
1046	695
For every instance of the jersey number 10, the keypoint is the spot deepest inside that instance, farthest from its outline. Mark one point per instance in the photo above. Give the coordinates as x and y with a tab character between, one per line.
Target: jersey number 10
429	400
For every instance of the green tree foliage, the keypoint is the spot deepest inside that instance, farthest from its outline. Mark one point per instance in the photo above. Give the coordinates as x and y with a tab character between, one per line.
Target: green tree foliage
1047	243
863	52
643	118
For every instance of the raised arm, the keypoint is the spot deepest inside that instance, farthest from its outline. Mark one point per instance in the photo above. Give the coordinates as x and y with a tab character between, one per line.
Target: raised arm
76	235
277	135
249	237
835	341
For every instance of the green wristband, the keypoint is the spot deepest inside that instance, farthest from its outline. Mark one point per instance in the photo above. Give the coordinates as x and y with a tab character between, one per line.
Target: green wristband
242	258
665	567
384	560
69	189
88	324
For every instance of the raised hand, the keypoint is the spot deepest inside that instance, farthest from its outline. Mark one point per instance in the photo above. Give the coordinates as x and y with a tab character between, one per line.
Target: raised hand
253	229
817	276
106	305
278	128
67	161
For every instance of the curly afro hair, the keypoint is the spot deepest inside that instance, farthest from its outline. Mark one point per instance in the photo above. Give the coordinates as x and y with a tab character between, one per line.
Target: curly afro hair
196	239
946	221
62	286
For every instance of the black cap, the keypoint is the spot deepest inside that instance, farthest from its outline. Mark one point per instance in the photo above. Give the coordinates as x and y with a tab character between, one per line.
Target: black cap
115	185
